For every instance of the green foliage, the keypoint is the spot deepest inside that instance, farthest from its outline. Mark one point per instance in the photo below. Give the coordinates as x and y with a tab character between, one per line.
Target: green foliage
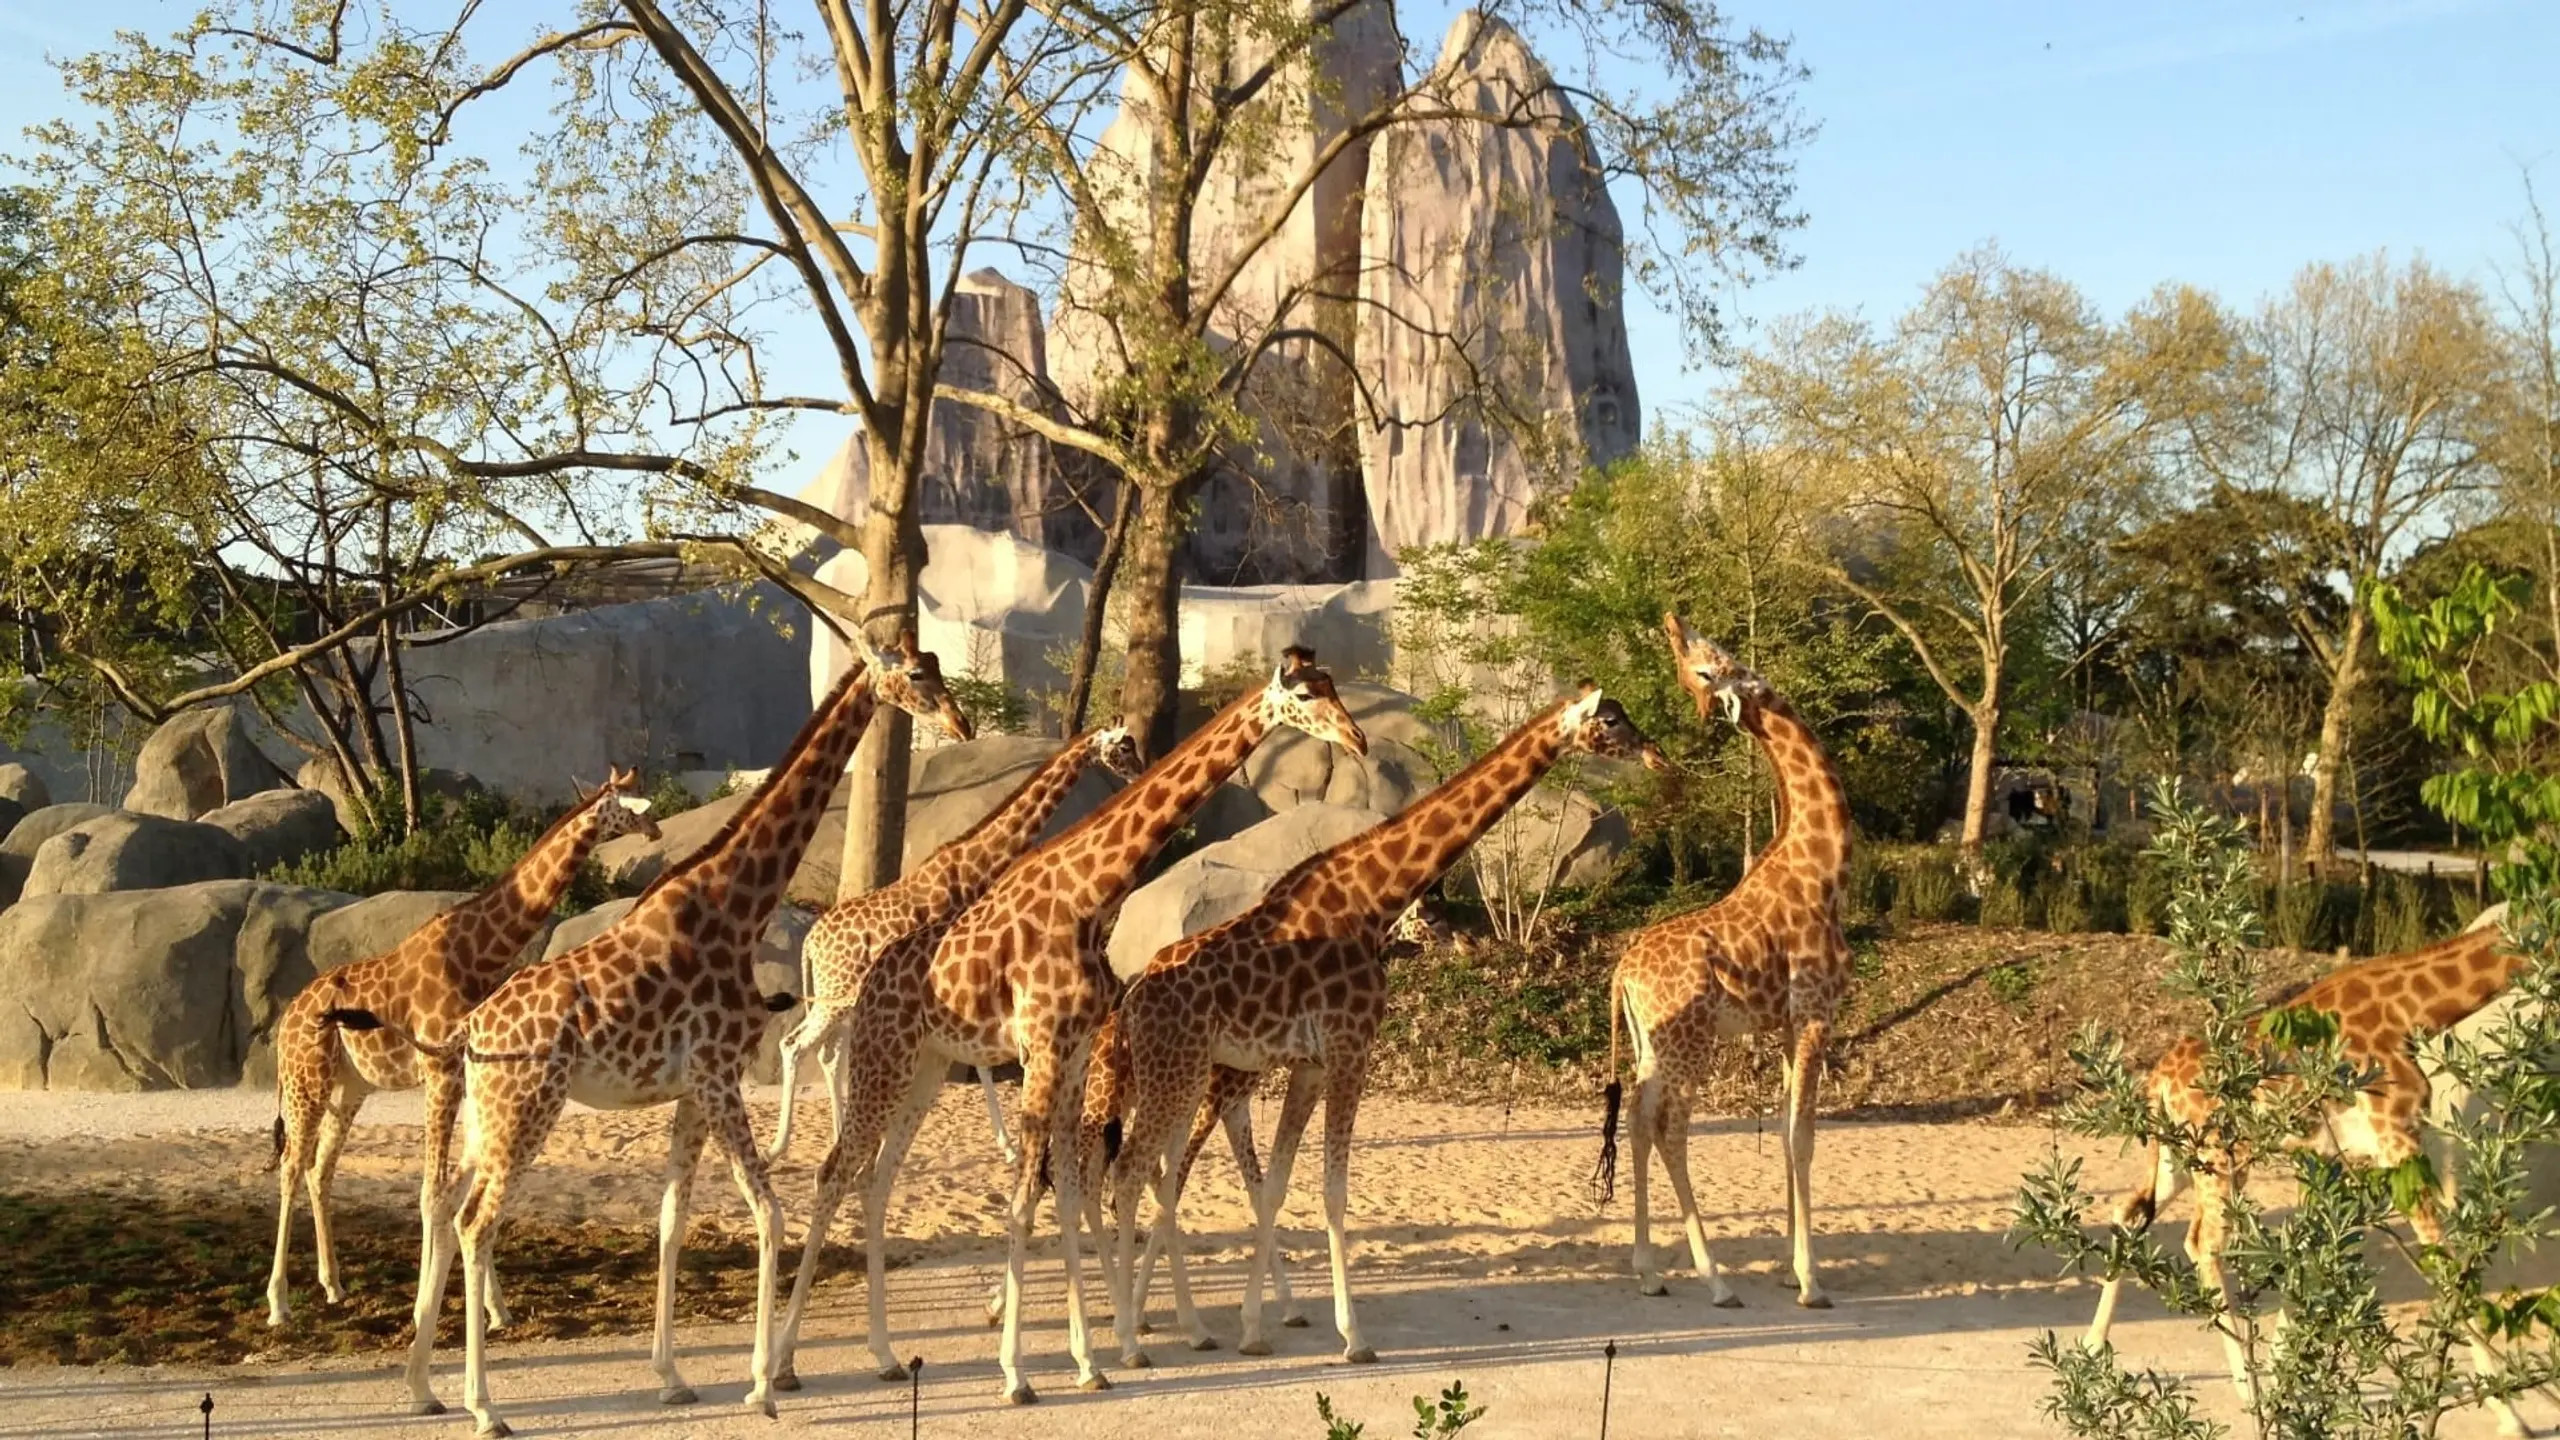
2508	787
1929	887
993	706
463	844
1430	1421
667	796
2012	983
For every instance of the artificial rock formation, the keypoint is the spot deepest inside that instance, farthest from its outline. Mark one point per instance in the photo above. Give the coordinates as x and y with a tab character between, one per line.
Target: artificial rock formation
1498	269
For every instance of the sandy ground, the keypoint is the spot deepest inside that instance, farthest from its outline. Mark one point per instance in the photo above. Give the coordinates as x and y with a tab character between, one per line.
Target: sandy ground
1479	1255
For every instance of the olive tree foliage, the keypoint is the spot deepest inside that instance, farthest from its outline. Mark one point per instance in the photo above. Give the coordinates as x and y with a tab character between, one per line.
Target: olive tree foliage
1997	429
2372	391
1235	132
431	281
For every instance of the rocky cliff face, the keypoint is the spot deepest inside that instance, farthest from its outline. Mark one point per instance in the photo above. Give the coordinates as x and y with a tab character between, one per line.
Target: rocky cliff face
1471	272
1490	323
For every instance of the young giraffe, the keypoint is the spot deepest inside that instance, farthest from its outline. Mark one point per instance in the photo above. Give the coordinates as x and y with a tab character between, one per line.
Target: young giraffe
1228	1106
2381	1005
661	1007
847	939
1769	956
424	985
1023	974
1297	981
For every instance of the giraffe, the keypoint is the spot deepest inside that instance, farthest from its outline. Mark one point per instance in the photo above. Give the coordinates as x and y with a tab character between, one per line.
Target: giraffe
2381	1005
425	985
849	937
1769	956
1023	974
660	1007
1298	981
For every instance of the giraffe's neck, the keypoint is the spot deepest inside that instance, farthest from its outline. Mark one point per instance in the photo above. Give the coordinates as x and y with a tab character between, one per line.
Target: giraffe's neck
968	865
1386	867
729	889
1107	849
1813	815
502	920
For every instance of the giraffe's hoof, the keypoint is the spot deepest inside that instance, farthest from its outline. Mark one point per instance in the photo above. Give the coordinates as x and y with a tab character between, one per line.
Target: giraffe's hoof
278	1319
1094	1383
764	1403
429	1406
677	1395
1362	1356
1727	1301
495	1430
1293	1322
1254	1347
1021	1393
1814	1300
787	1380
1145	1329
893	1373
1651	1288
1136	1360
1204	1342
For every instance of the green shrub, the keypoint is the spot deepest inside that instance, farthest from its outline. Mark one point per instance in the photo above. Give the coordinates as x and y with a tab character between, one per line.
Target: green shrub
667	796
2146	899
1870	894
2300	916
2005	904
2397	915
993	707
2012	983
1927	887
463	844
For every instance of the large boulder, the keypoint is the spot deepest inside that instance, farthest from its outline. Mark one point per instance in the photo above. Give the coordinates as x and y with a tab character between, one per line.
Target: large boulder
148	990
124	850
777	968
376	925
199	760
1290	768
24	788
11	812
1558	837
631	861
278	827
18	848
955	787
1217	882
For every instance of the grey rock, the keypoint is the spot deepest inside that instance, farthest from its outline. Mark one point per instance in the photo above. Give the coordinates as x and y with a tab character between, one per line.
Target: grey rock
11	812
631	861
1218	882
199	760
18	849
1501	241
375	925
954	787
146	990
1552	836
1292	768
319	775
278	827
129	851
1230	810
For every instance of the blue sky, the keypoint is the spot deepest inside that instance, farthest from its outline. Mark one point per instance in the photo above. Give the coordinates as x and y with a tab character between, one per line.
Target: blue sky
2224	144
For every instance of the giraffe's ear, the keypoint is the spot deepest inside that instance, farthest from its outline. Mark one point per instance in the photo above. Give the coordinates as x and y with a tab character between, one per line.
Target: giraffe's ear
637	805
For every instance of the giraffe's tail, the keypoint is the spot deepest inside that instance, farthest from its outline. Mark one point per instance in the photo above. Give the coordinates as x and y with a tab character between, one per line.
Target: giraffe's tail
362	1021
277	1158
1612	1097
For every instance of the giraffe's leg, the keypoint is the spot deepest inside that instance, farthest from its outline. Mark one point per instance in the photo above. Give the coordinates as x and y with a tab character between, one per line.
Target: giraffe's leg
1041	1098
836	1061
879	1180
2204	1247
508	1140
1067	1169
1224	1104
1299	1104
1344	1082
1235	1089
876	1083
334	1123
686	1133
300	1105
1163	1091
2167	1178
725	1109
1804	1090
995	1118
1641	1129
1672	1134
441	1204
815	1030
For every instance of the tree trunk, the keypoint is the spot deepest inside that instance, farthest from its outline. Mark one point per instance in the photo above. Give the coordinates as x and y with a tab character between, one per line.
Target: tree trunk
2319	843
875	815
404	730
1985	716
1150	687
1124	512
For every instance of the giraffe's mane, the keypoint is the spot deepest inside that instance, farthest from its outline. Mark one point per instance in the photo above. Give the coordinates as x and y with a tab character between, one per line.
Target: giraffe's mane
1096	816
1056	757
737	821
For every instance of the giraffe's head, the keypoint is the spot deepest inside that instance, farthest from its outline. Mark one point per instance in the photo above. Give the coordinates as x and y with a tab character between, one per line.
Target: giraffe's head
1713	678
1115	750
909	677
1598	725
1301	696
618	811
